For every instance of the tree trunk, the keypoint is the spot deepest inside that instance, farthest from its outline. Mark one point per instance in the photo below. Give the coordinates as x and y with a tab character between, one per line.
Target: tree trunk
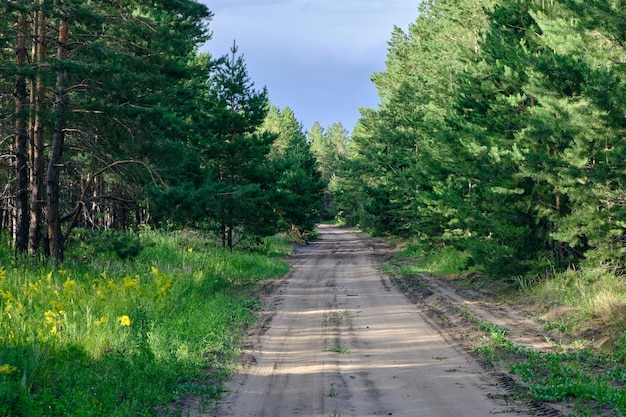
21	142
37	144
119	212
58	142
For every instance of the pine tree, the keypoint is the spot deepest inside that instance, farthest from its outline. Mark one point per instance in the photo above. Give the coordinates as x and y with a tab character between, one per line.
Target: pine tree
579	84
238	151
330	147
121	89
298	187
406	150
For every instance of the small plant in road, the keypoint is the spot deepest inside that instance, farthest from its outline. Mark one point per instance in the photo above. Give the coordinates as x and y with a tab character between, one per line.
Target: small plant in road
339	349
332	392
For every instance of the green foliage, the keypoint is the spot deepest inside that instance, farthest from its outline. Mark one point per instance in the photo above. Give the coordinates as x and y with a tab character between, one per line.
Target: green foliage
105	336
330	149
86	244
131	83
298	185
593	291
445	261
236	152
500	132
592	382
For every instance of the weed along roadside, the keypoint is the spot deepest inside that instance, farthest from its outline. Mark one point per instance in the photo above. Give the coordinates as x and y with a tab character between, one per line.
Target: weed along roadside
552	342
159	332
101	336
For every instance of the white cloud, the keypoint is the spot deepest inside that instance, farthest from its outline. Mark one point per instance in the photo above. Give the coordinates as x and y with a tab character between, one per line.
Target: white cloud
312	52
344	30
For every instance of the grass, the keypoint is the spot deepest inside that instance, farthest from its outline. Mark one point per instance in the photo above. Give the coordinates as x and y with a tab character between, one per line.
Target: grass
595	292
444	262
99	335
332	391
579	304
591	382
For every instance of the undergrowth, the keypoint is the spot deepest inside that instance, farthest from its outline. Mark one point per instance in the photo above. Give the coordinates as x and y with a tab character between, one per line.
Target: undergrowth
125	334
445	261
585	379
589	382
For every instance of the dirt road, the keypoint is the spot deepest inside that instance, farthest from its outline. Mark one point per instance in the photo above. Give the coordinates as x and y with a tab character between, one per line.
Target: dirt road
340	340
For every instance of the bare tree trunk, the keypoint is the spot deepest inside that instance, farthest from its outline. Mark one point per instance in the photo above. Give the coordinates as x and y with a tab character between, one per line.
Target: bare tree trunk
37	144
119	212
58	142
20	146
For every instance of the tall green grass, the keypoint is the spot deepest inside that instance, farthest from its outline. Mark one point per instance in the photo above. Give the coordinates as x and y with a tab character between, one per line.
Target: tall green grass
445	261
595	292
103	336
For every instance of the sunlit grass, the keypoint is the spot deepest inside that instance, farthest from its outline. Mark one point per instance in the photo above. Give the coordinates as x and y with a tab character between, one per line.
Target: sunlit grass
446	261
594	292
590	382
104	336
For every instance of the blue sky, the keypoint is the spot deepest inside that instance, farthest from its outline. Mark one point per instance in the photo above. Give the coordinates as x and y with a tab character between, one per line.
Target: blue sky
317	56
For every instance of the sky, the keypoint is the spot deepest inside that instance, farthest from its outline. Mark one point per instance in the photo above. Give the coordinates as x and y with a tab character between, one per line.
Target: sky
314	56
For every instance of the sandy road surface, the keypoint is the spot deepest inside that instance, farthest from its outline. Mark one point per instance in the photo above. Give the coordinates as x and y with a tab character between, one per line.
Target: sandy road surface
343	342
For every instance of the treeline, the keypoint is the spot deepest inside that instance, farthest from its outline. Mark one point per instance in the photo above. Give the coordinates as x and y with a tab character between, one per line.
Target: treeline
501	133
110	117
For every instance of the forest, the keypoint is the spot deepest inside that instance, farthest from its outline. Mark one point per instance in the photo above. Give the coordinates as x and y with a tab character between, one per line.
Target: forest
144	188
111	118
500	134
147	186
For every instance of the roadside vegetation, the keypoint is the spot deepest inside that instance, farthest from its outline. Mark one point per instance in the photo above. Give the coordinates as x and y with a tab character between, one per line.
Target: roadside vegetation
497	150
586	372
102	335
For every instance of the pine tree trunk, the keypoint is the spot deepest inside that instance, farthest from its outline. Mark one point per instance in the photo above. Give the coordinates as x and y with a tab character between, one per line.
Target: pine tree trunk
37	144
21	143
119	211
58	142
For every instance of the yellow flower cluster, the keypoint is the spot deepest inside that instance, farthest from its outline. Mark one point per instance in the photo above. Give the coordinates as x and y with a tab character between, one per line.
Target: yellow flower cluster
69	288
55	319
10	302
132	283
163	282
7	369
124	320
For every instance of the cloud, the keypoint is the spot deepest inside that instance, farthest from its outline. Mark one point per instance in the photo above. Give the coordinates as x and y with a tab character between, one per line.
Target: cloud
345	30
315	56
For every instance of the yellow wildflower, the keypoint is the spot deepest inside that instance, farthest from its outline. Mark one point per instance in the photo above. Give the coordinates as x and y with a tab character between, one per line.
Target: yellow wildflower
56	305
7	310
55	319
163	285
131	283
124	320
103	320
51	317
7	369
69	288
